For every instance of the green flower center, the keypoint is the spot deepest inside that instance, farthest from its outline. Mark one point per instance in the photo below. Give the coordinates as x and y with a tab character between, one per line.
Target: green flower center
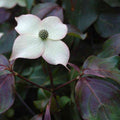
43	34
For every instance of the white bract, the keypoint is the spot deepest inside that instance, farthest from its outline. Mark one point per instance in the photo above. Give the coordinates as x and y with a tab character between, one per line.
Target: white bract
1	34
41	38
12	3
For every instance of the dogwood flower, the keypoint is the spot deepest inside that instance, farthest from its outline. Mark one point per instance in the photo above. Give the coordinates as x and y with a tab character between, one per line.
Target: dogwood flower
12	3
41	38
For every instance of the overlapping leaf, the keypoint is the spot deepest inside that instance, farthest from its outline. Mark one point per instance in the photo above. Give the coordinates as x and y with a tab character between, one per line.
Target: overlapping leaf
103	67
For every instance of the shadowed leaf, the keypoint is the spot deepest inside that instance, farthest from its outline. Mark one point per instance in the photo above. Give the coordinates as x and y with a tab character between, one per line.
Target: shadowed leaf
4	15
113	3
81	13
108	23
111	46
48	9
37	117
6	42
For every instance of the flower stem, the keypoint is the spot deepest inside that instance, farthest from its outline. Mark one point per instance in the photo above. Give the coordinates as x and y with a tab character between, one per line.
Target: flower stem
63	85
51	77
23	78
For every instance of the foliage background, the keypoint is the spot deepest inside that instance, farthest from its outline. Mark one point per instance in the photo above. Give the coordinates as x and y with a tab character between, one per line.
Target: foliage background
94	42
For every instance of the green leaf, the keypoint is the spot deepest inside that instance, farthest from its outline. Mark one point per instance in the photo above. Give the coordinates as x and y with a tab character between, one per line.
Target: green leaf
37	117
73	31
64	100
81	13
38	76
113	3
111	47
6	42
29	4
103	67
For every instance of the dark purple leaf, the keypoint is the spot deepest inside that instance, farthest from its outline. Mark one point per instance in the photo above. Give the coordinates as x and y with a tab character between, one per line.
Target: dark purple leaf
48	9
94	96
58	11
6	92
4	15
3	64
37	117
47	113
75	67
102	67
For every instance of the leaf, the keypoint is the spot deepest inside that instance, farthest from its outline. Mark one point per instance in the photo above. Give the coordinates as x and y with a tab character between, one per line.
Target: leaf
111	47
48	9
94	97
81	13
108	22
6	42
38	76
43	99
37	117
64	100
73	31
29	4
113	3
3	62
6	92
102	67
47	113
4	15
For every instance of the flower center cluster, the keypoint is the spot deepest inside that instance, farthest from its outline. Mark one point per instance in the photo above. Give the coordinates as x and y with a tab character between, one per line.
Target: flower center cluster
43	34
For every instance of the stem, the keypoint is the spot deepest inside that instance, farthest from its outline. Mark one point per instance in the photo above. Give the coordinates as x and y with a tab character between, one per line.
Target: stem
22	101
51	78
23	78
65	84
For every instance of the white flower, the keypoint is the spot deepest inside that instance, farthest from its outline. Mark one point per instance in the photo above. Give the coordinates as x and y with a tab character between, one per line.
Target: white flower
12	3
1	34
41	38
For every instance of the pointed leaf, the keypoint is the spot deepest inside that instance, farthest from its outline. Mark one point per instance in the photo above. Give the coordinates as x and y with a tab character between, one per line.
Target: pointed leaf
47	113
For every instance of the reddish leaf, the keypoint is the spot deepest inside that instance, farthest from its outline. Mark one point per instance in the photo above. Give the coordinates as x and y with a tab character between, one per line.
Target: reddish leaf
47	113
58	11
103	67
48	9
6	92
94	96
4	15
3	62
